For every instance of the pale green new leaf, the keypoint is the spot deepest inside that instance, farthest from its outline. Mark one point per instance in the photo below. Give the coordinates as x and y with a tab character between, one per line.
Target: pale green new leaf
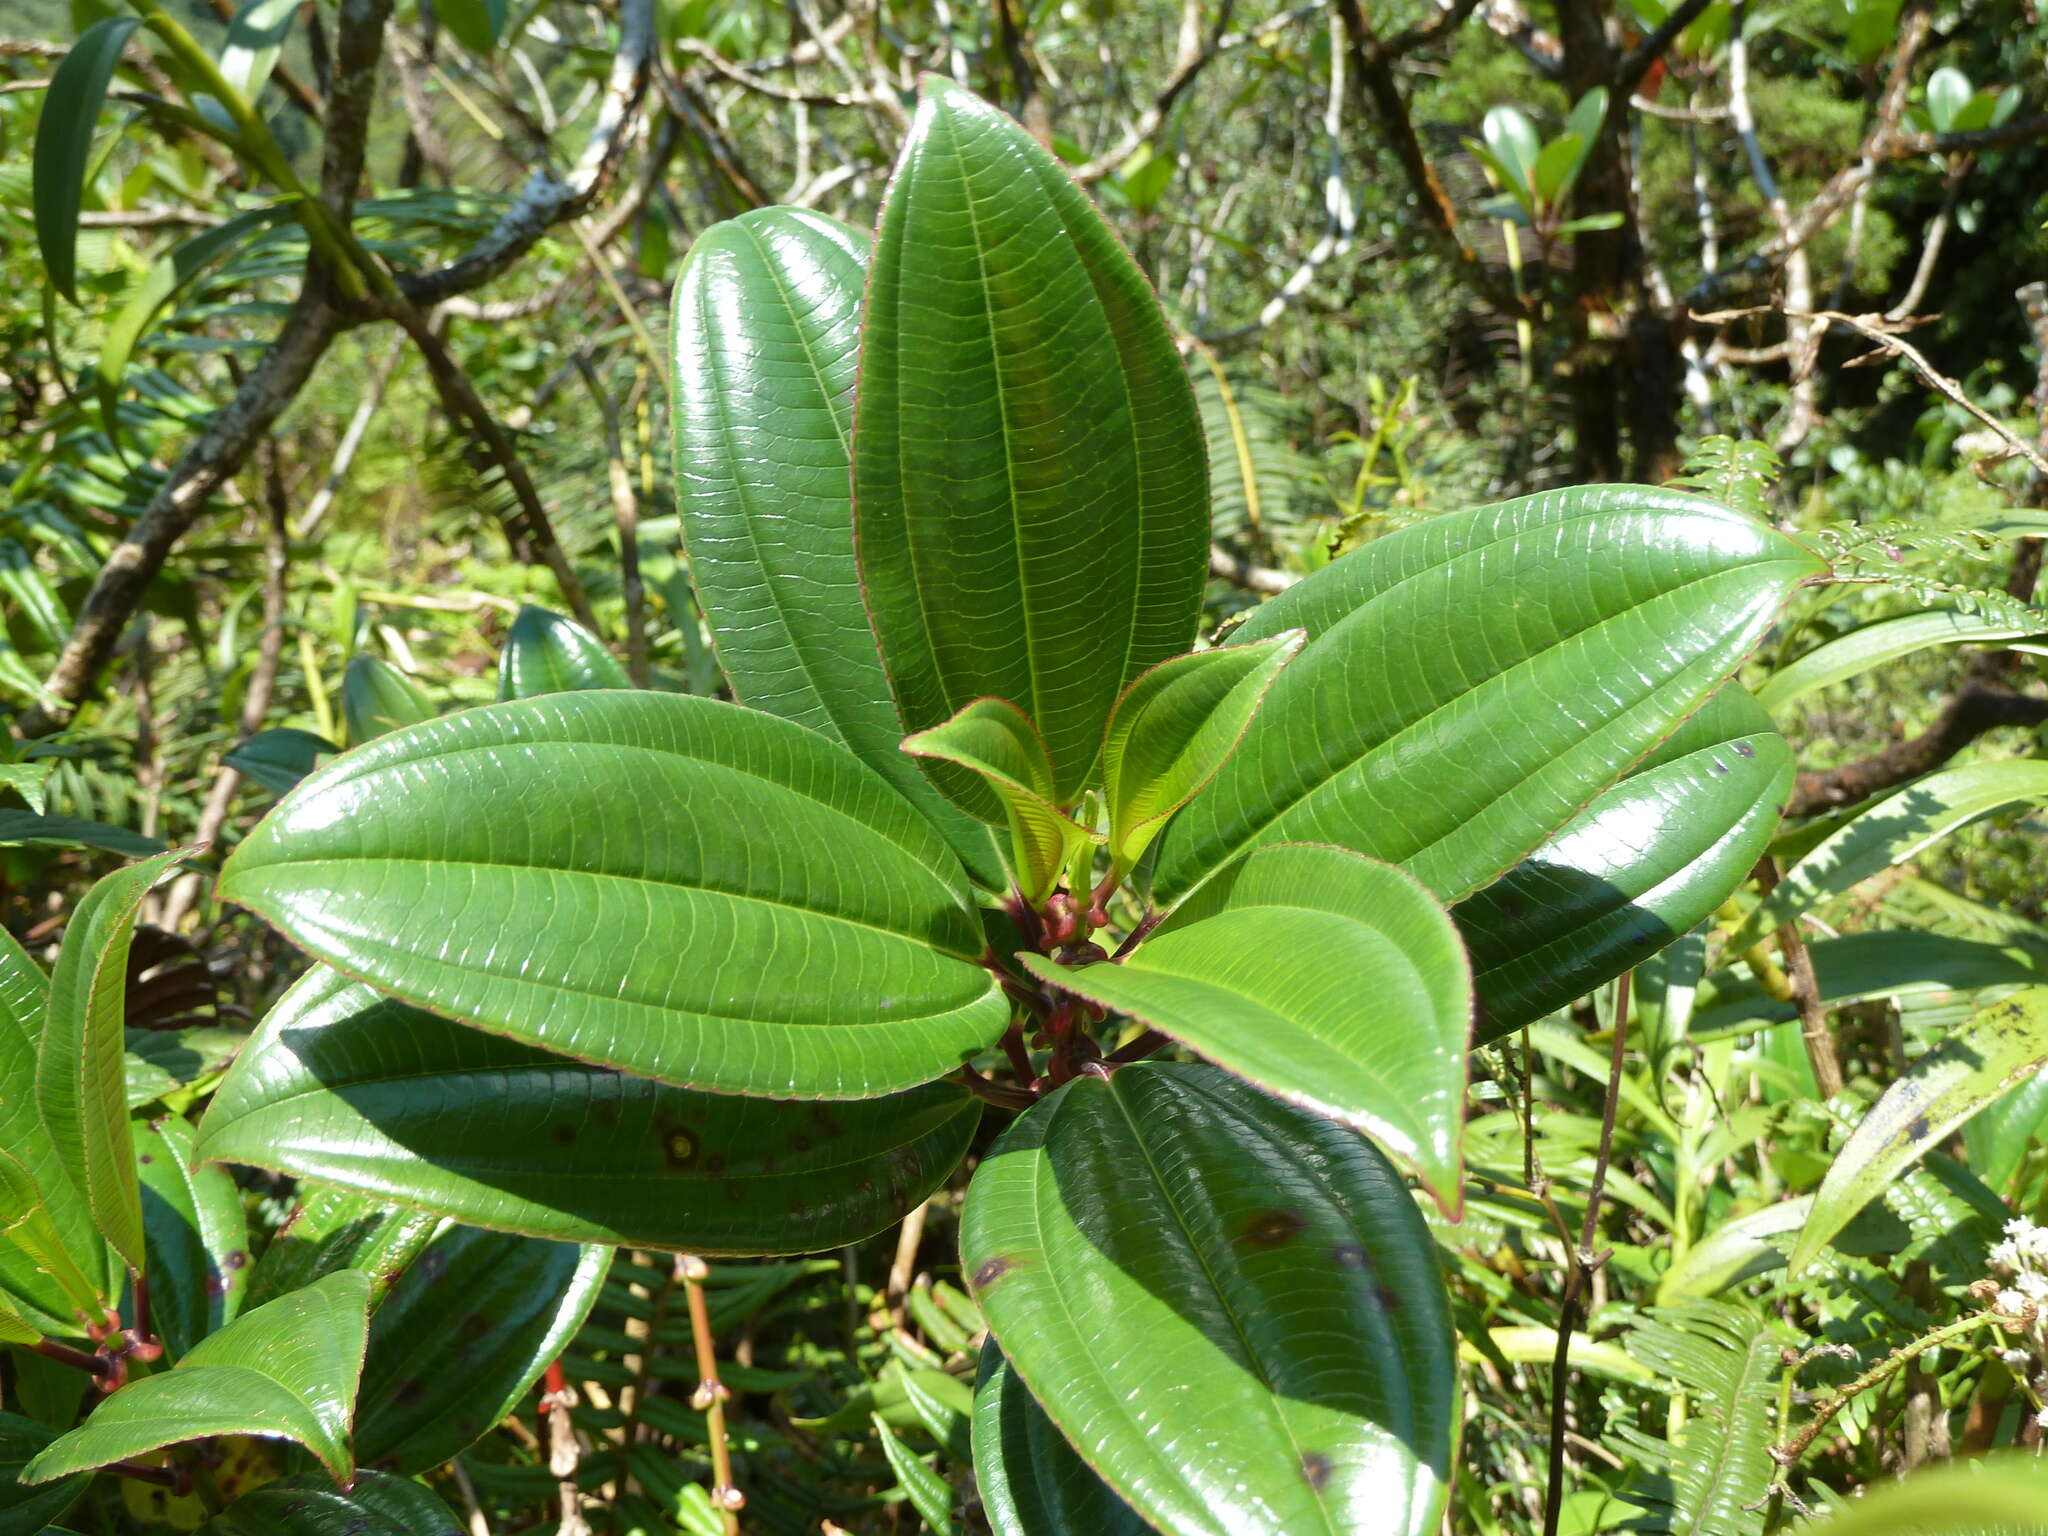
669	885
994	740
1996	1495
1172	730
26	1223
1330	980
284	1371
81	1087
1937	1093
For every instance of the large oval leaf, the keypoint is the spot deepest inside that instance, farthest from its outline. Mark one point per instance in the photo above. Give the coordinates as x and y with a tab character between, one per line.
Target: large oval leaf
767	343
463	1335
1328	979
345	1085
1170	1246
664	884
196	1234
1472	682
376	1505
1030	483
1937	1093
1652	857
1032	1482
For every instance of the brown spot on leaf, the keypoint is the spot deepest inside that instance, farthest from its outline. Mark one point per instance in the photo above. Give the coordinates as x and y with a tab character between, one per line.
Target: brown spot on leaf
606	1114
1350	1256
1316	1469
237	1260
989	1271
1918	1129
410	1392
826	1122
679	1148
563	1135
801	1142
1274	1229
1388	1297
1744	749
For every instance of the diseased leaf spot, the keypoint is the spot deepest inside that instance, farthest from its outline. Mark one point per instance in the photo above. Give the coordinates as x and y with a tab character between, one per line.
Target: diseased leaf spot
1388	1298
1918	1129
410	1392
679	1149
606	1115
1718	765
826	1122
1351	1257
801	1142
989	1271
563	1135
1744	749
1316	1469
1274	1229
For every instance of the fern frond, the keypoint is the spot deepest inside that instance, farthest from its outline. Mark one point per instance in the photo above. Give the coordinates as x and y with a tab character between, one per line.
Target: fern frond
1735	472
1261	486
1727	1361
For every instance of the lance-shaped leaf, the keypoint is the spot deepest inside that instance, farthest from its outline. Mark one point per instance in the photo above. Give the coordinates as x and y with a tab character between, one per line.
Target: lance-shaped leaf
1891	832
1030	485
1472	682
1875	644
1645	862
332	1229
71	108
546	653
1333	981
81	1088
767	342
286	1371
197	1236
1937	1093
24	1509
27	1226
278	758
1172	730
376	697
1172	1236
255	38
463	1335
1032	1482
345	1085
376	1505
16	1329
996	741
668	885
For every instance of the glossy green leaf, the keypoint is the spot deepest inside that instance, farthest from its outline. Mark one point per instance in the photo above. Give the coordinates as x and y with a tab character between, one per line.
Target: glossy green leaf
377	1505
929	1494
64	132
255	38
1875	644
284	1371
1998	1137
1891	832
278	758
1647	861
1997	1495
1556	167
333	1229
344	1085
73	832
767	340
26	1509
1330	980
1174	728
32	1232
1735	1251
196	1235
463	1335
1171	1235
377	698
996	741
1473	681
1030	483
667	885
1032	1482
81	1090
546	653
477	24
1937	1093
1511	139
1948	91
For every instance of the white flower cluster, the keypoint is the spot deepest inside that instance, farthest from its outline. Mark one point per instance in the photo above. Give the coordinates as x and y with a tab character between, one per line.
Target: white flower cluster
2022	1262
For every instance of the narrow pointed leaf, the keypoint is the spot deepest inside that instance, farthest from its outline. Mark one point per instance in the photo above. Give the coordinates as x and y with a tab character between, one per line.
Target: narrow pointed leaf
1998	1138
1646	862
377	1505
278	758
1033	1483
1970	1069
346	1086
26	1509
546	653
463	1336
767	342
376	697
667	885
334	1229
1030	487
28	1228
64	132
1173	729
1472	682
255	38
1875	644
1891	832
995	741
196	1234
929	1494
16	1329
286	1371
1333	981
1173	1236
81	1089
73	832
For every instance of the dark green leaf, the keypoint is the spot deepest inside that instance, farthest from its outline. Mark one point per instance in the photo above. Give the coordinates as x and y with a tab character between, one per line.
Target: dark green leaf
196	1234
376	698
334	1229
1172	1236
72	832
546	653
929	1494
287	1370
377	1505
277	759
24	1509
344	1085
477	24
1330	980
767	341
1030	484
1471	682
462	1336
663	884
1032	1483
71	107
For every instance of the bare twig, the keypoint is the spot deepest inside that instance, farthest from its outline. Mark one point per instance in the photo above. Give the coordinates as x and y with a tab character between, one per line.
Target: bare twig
1253	578
710	1396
